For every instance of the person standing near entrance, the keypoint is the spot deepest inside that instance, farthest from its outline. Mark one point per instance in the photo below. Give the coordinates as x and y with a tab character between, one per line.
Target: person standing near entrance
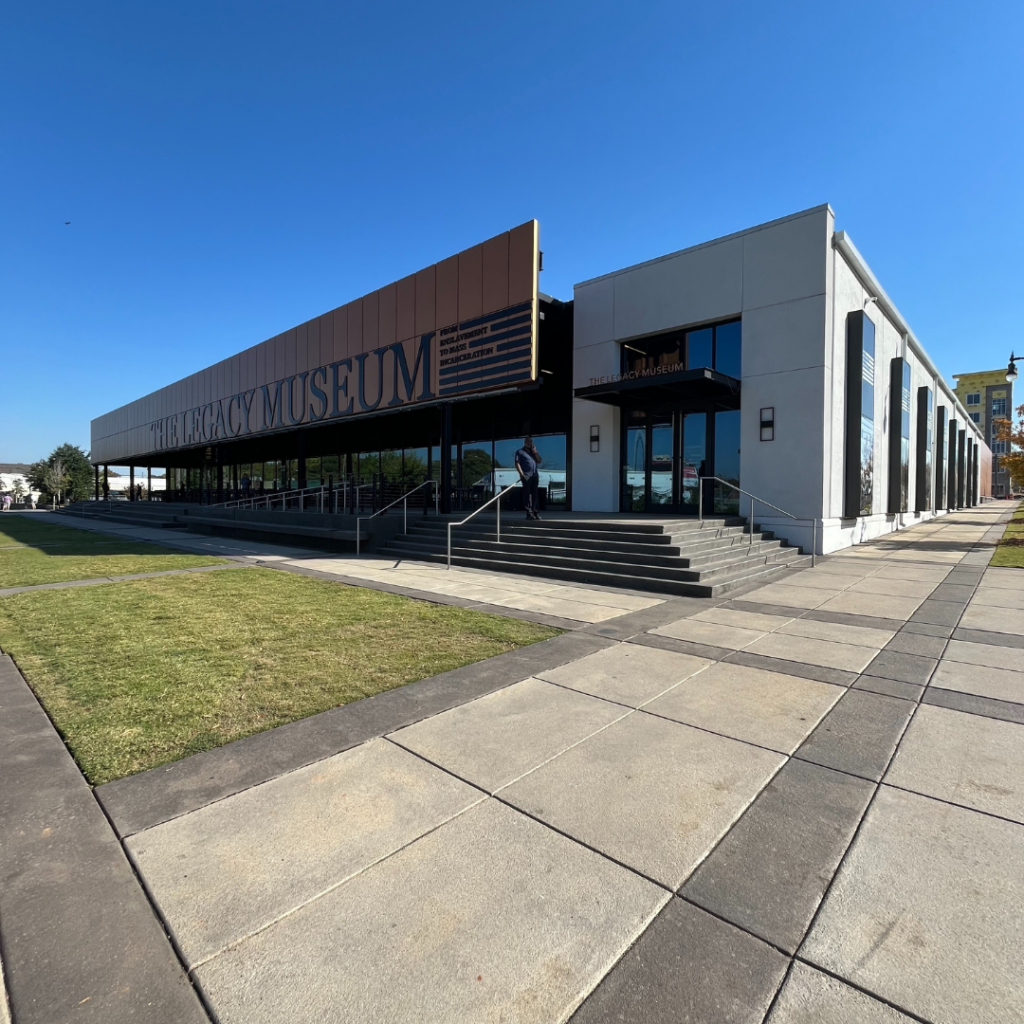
528	461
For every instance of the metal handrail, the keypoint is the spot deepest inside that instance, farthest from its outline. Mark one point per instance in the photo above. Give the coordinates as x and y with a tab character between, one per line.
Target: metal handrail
404	499
283	496
753	498
462	522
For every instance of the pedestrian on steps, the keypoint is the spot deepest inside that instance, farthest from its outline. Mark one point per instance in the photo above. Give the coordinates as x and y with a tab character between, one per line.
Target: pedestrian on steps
528	462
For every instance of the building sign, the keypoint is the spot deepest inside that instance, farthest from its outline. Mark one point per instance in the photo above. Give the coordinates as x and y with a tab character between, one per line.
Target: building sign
463	326
647	371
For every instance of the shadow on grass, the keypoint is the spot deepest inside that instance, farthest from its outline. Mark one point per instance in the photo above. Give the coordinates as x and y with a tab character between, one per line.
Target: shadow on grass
21	532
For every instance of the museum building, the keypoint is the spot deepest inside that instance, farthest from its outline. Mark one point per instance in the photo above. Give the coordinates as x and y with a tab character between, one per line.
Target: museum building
771	359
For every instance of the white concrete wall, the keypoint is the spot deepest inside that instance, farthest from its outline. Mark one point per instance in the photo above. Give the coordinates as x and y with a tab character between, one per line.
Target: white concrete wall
793	289
774	276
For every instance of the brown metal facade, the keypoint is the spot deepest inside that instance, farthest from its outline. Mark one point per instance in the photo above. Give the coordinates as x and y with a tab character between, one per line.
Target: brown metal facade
466	325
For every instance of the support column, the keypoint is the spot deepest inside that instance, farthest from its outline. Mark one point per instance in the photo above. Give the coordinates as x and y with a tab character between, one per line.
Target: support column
302	460
106	483
149	483
131	483
445	483
96	473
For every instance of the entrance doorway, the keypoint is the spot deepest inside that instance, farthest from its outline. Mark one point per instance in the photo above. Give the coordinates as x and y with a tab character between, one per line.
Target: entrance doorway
665	452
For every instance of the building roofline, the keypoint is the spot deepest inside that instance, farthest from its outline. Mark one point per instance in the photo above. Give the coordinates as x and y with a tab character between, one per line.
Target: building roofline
842	241
704	245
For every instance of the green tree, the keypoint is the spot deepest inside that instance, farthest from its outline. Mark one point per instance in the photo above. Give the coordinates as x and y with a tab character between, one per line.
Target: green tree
77	477
1013	435
56	479
18	489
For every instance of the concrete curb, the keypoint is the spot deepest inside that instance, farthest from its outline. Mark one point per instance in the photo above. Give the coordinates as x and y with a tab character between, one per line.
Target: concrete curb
78	936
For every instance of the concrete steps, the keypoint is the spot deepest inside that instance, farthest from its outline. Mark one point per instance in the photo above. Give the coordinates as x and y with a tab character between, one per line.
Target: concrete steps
685	557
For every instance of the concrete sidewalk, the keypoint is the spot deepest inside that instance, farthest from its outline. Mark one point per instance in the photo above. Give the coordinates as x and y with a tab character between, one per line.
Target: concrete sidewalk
805	804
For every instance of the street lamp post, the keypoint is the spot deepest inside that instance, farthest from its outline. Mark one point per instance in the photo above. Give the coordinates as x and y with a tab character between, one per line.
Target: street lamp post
1011	368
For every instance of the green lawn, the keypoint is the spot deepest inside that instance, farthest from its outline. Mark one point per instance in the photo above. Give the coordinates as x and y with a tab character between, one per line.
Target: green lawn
1010	552
138	673
34	549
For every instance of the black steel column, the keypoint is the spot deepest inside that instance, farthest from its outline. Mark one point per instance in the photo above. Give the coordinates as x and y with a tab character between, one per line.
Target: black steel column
96	472
106	483
131	483
445	483
302	460
961	457
149	483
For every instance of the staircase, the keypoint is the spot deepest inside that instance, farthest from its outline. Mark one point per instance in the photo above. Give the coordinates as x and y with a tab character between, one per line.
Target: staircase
688	557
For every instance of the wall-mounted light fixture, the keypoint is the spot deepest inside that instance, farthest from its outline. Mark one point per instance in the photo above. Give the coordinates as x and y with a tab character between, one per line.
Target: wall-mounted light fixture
1011	369
595	439
768	424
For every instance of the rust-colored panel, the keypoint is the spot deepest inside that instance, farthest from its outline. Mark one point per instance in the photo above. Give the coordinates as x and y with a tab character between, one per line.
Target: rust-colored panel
355	327
301	344
405	311
371	319
386	315
293	349
426	300
522	262
447	311
312	345
495	273
340	333
326	351
471	282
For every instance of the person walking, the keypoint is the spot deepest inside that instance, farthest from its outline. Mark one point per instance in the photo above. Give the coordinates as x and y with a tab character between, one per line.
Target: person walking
528	461
7	503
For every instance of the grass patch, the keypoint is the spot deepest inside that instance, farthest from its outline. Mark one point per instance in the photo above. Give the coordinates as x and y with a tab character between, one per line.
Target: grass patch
1009	553
36	550
142	672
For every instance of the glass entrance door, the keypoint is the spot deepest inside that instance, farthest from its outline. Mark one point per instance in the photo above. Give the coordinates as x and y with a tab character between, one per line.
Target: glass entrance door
693	464
664	455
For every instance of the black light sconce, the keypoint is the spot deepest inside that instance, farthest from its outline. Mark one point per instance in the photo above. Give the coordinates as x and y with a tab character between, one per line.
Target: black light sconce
768	424
595	439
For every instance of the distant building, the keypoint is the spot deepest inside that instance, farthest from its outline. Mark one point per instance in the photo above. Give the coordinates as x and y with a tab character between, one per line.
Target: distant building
12	471
988	396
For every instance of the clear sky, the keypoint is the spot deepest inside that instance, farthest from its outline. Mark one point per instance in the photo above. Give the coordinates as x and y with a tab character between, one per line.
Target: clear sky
230	169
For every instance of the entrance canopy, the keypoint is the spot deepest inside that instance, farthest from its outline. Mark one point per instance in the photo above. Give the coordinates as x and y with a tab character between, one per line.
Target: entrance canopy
648	387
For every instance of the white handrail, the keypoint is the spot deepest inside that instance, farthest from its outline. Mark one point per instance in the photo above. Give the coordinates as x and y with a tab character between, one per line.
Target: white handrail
497	498
753	498
404	499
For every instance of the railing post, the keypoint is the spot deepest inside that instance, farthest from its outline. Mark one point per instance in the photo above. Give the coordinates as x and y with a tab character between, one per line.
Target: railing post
449	545
814	540
751	544
405	514
700	499
498	504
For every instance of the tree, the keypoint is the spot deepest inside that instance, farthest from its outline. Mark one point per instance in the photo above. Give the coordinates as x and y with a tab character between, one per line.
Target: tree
78	473
1013	460
18	489
56	479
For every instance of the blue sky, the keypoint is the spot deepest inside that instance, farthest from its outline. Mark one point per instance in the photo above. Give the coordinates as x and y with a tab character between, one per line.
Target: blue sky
231	169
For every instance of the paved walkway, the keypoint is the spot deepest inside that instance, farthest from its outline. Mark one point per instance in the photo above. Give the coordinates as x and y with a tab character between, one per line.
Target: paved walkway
804	804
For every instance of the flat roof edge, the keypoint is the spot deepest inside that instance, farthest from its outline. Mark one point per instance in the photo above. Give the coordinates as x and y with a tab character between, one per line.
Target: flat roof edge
704	245
842	241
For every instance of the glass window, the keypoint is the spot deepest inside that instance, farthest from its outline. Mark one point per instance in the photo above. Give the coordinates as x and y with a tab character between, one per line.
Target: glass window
415	466
975	416
998	406
505	461
329	468
695	426
313	473
477	464
728	349
727	460
391	466
698	348
648	353
366	466
552	475
974	398
634	463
